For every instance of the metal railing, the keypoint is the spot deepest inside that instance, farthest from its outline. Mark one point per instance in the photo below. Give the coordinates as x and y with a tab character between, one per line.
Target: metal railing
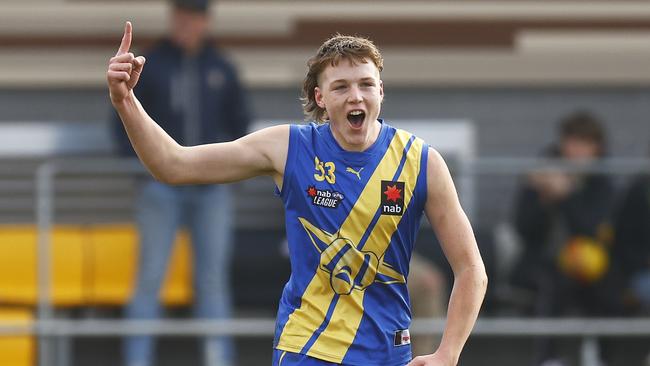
260	327
589	330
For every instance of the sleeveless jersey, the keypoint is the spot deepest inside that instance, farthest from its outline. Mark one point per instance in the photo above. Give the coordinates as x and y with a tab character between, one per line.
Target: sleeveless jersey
351	221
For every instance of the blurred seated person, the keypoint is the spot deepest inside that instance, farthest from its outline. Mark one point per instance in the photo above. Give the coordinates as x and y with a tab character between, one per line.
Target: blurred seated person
428	291
633	244
564	222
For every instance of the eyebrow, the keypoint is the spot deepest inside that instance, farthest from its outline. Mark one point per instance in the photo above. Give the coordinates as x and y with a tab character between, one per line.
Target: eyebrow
345	80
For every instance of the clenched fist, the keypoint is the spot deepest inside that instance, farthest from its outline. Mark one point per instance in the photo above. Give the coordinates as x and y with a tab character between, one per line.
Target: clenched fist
124	69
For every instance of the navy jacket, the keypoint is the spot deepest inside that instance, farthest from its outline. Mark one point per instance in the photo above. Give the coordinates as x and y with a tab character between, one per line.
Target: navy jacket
582	213
224	115
632	229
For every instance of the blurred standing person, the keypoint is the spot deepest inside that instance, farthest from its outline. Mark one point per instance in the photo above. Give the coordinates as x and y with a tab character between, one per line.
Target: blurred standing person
564	221
194	94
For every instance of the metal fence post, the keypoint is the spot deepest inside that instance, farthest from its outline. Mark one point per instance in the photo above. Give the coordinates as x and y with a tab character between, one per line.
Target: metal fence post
44	211
589	351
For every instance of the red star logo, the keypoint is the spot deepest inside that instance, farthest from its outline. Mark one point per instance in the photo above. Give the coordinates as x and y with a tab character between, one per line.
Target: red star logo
392	193
311	191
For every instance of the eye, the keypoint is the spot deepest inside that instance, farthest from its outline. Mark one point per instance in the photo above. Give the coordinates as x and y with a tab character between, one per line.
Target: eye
339	87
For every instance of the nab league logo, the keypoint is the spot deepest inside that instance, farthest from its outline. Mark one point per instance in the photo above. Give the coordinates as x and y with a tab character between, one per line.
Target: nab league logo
324	197
392	198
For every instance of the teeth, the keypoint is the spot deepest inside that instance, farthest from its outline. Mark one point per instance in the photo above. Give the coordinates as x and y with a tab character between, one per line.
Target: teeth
356	113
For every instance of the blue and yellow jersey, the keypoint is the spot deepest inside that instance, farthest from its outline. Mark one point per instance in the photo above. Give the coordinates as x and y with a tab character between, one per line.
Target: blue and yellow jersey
351	220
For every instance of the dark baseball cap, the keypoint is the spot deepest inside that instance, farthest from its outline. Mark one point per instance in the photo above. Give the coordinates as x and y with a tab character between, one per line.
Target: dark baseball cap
200	6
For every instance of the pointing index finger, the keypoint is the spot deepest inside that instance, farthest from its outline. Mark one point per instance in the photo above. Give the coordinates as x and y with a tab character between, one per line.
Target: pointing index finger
126	39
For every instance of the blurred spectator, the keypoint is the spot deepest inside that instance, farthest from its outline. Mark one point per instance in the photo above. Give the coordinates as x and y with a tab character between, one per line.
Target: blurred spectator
563	219
633	247
193	92
427	289
633	244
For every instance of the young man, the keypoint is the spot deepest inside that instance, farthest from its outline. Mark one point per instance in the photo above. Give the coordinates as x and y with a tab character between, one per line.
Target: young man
354	190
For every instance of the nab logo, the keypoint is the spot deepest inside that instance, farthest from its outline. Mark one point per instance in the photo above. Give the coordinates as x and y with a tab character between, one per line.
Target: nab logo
324	197
392	198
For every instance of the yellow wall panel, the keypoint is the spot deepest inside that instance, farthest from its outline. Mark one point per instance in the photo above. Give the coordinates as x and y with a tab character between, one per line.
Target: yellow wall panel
17	264
112	264
91	265
67	287
16	350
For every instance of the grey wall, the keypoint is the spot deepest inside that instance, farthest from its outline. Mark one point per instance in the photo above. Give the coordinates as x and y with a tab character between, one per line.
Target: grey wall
510	121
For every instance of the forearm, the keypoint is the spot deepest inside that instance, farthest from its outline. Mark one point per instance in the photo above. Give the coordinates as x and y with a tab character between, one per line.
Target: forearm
155	148
464	305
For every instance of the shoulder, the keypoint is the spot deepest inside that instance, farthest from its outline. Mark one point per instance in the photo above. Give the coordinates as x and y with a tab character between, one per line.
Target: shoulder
437	169
442	197
273	143
272	133
310	130
391	130
403	134
435	159
161	58
417	147
217	57
161	50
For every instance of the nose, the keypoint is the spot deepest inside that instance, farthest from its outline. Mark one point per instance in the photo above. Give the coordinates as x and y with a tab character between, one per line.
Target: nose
355	95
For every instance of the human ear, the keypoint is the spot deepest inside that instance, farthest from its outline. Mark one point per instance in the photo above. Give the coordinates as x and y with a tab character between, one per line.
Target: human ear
318	97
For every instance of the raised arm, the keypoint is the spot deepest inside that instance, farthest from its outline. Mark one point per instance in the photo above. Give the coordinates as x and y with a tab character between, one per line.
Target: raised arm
459	245
260	153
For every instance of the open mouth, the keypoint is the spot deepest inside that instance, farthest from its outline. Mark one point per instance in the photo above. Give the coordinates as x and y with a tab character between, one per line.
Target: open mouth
356	118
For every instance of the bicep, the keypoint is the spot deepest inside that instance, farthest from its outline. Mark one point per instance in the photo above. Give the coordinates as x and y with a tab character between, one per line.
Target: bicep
260	153
447	217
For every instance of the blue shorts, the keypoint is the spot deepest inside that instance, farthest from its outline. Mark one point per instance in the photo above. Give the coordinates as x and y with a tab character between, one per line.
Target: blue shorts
284	358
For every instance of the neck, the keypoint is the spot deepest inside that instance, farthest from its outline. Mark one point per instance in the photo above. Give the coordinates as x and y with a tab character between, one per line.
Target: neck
191	51
356	144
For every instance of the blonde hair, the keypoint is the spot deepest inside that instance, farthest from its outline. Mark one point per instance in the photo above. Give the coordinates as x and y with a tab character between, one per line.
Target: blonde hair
331	52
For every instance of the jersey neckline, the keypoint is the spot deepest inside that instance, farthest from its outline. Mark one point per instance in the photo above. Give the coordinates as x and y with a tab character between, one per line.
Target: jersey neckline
355	156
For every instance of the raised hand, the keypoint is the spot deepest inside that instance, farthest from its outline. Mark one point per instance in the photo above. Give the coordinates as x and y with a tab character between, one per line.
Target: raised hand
124	69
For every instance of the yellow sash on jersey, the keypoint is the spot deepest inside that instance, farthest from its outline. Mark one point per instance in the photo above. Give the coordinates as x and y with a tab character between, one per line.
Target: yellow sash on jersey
334	341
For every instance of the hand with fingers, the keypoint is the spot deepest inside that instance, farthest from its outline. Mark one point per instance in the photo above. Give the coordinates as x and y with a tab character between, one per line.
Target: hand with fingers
434	359
124	69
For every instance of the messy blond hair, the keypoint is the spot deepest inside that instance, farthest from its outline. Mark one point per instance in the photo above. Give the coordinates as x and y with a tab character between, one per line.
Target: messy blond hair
331	52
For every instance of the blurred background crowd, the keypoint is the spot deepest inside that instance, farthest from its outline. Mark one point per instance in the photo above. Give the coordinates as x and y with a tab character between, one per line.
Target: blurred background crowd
541	109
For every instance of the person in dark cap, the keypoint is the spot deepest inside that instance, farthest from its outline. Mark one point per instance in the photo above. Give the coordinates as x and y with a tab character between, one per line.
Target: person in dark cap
194	94
200	6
